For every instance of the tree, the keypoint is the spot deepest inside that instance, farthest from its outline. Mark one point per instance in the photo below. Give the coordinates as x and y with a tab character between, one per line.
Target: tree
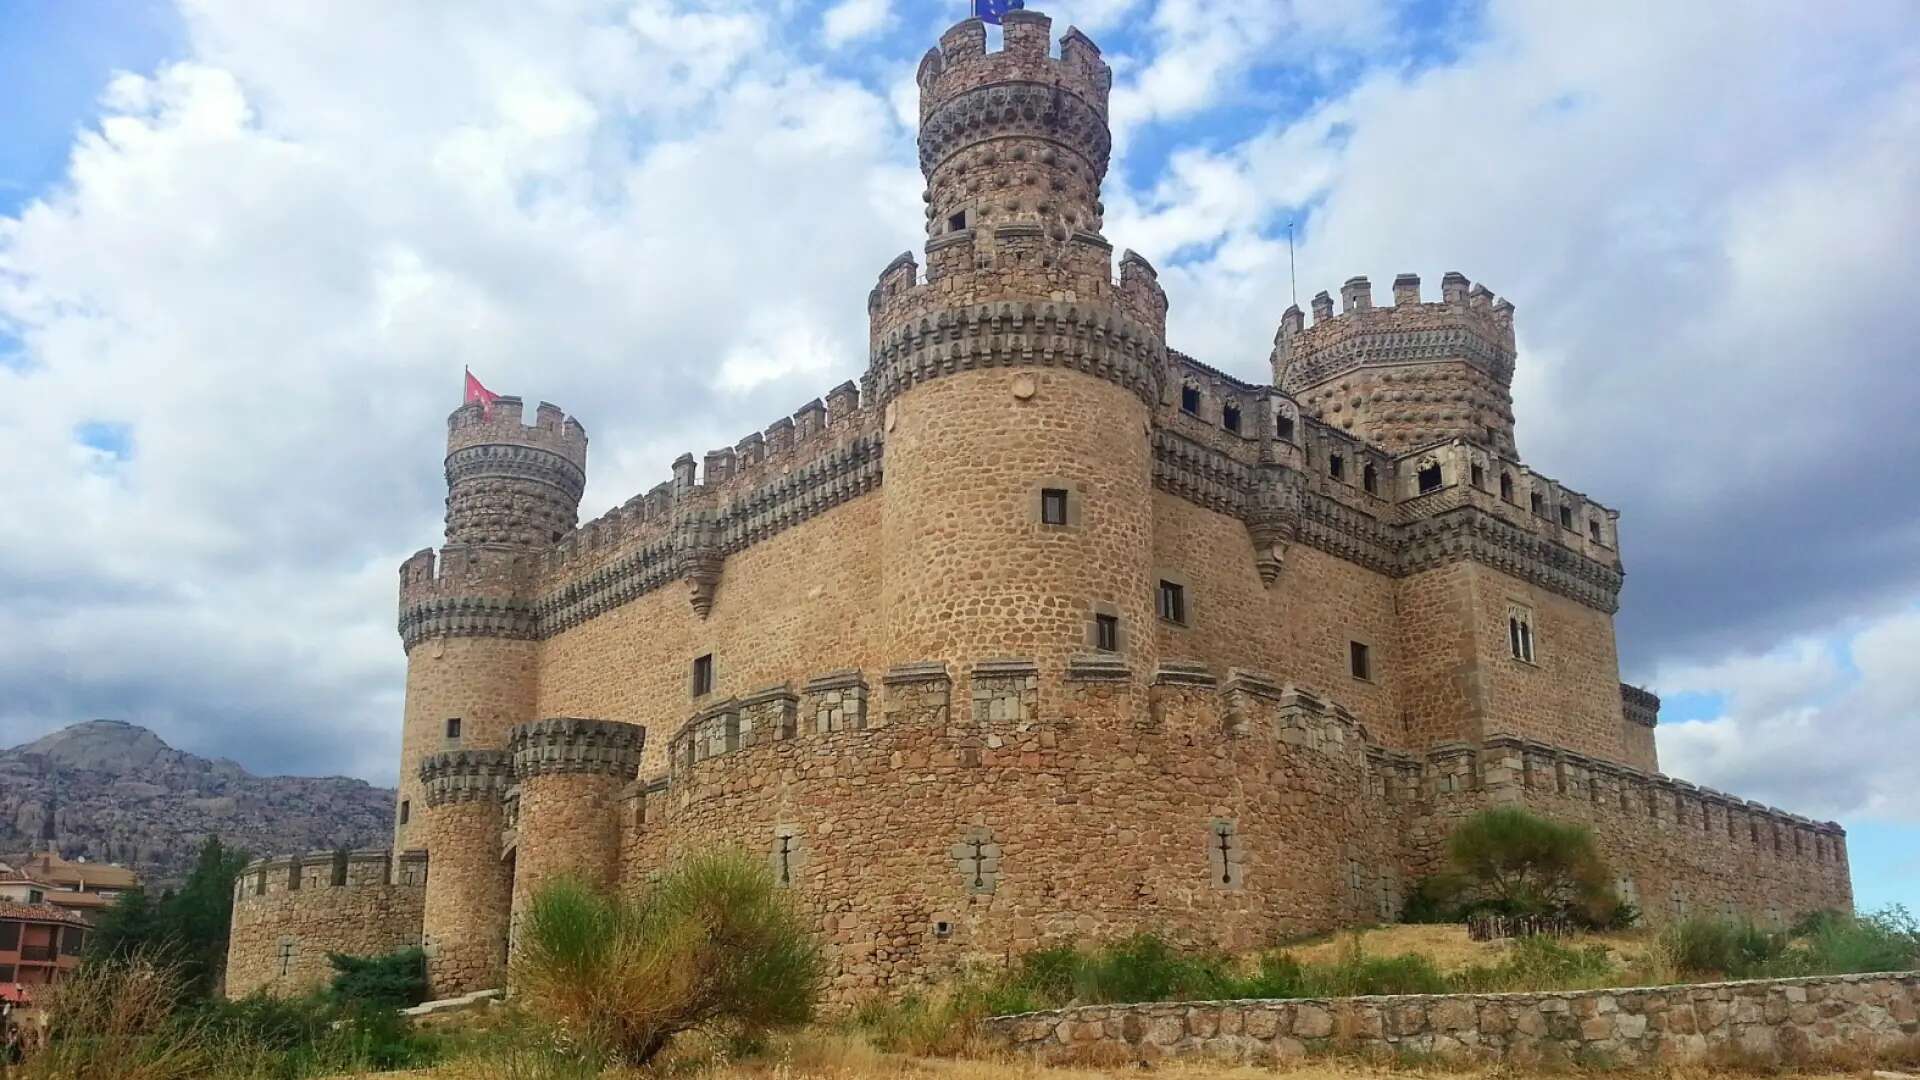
1526	864
713	945
185	930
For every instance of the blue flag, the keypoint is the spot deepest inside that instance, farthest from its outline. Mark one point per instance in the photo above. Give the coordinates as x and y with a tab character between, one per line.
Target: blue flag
991	10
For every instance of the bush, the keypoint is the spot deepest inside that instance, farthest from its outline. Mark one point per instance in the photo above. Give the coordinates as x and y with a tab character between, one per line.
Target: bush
1710	948
397	980
1885	940
713	946
1145	967
113	1020
1519	863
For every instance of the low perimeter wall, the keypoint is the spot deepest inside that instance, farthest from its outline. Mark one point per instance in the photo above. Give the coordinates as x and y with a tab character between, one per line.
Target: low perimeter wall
1775	1019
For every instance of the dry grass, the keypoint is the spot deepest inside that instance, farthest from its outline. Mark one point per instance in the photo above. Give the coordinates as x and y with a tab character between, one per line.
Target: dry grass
1447	945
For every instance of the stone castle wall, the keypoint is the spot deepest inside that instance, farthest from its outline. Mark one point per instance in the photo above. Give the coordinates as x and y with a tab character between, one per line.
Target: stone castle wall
948	817
290	912
1848	1017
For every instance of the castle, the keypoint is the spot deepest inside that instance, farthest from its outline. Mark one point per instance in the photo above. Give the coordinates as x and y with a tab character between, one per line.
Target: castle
1044	630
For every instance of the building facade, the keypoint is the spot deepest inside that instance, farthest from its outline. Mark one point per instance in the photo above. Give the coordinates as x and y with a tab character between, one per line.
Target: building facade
1043	629
39	945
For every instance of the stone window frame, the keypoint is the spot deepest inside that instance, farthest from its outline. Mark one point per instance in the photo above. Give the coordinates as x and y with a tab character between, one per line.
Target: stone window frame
1370	478
1508	492
1164	577
1429	465
1226	855
1337	465
1199	396
1285	424
406	811
1101	608
1361	649
704	670
454	727
1076	503
1233	417
1523	632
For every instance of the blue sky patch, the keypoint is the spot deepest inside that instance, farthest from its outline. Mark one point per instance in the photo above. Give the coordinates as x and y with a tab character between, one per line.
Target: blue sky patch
108	437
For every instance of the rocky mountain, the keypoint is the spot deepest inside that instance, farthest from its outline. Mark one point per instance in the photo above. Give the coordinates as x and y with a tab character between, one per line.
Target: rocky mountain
110	791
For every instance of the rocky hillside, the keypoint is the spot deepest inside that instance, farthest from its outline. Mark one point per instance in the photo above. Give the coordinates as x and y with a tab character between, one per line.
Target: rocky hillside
113	792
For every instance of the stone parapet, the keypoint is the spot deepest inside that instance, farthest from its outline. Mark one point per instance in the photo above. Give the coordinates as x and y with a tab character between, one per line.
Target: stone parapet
1776	1021
466	776
509	482
573	744
930	341
263	879
291	912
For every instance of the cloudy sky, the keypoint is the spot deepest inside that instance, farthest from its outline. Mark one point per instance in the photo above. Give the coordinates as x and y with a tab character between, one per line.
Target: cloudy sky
245	249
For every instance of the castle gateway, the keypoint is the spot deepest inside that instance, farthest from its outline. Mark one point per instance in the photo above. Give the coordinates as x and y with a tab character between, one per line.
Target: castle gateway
1043	630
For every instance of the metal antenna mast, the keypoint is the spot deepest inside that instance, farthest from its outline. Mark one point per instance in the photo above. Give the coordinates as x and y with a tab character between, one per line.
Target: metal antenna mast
1292	279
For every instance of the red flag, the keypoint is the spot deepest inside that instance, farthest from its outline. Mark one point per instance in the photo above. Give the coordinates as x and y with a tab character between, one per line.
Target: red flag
479	393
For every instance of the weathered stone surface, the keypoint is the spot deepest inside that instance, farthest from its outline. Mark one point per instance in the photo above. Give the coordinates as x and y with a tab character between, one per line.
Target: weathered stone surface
1516	1029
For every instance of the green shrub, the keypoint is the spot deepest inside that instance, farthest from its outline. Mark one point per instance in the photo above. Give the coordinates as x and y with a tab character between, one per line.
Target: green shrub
713	945
1356	973
1145	967
1541	963
1720	948
1517	862
397	980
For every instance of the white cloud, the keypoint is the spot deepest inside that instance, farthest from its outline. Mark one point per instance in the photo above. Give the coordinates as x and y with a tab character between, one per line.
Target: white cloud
852	20
1806	729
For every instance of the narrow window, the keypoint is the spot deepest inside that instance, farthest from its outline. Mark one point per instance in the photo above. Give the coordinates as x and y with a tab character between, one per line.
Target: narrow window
453	727
1593	529
1190	399
1230	418
9	936
1430	478
1106	633
1493	437
958	222
1053	506
1506	486
1336	466
1370	479
1173	602
1520	633
703	675
406	811
1538	505
1566	516
1526	640
1513	635
1283	427
1479	476
1359	661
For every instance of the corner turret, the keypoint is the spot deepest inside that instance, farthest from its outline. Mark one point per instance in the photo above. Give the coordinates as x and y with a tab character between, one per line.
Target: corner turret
1408	375
510	483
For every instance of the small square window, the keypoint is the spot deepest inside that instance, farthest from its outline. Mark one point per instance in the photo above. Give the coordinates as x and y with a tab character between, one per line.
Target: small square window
703	675
1430	478
1106	633
958	222
453	727
1283	427
406	811
1190	399
1173	602
1053	506
1359	660
1230	418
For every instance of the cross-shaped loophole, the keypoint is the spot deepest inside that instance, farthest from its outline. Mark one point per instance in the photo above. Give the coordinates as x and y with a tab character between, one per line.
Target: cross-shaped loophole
1225	835
786	860
979	858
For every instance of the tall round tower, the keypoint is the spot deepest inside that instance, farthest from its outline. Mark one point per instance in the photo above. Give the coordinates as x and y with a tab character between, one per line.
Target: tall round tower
469	884
571	771
1018	377
466	616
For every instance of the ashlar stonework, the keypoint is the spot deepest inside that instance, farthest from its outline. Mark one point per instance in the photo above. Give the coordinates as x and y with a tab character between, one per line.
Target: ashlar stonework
1039	630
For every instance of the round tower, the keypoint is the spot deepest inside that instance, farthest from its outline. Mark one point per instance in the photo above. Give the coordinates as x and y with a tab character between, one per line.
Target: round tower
571	772
466	614
1016	379
1409	375
470	887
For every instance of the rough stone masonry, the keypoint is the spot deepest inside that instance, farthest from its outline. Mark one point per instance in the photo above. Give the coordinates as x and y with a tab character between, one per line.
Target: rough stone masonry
1041	630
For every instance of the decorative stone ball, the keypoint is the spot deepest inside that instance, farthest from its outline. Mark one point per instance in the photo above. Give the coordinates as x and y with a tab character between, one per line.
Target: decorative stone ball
1023	388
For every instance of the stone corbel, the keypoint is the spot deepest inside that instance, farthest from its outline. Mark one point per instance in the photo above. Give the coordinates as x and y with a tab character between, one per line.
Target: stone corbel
1273	522
699	562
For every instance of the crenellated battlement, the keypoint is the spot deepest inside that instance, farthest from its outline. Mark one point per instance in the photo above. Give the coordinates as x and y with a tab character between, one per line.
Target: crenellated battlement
466	776
510	482
1407	374
268	881
962	62
504	423
466	590
574	744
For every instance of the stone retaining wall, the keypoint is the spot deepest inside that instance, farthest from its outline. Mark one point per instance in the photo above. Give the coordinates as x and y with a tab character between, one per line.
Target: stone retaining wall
1775	1020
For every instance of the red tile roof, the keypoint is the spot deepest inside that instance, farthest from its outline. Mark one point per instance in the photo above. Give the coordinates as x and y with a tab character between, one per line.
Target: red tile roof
40	913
